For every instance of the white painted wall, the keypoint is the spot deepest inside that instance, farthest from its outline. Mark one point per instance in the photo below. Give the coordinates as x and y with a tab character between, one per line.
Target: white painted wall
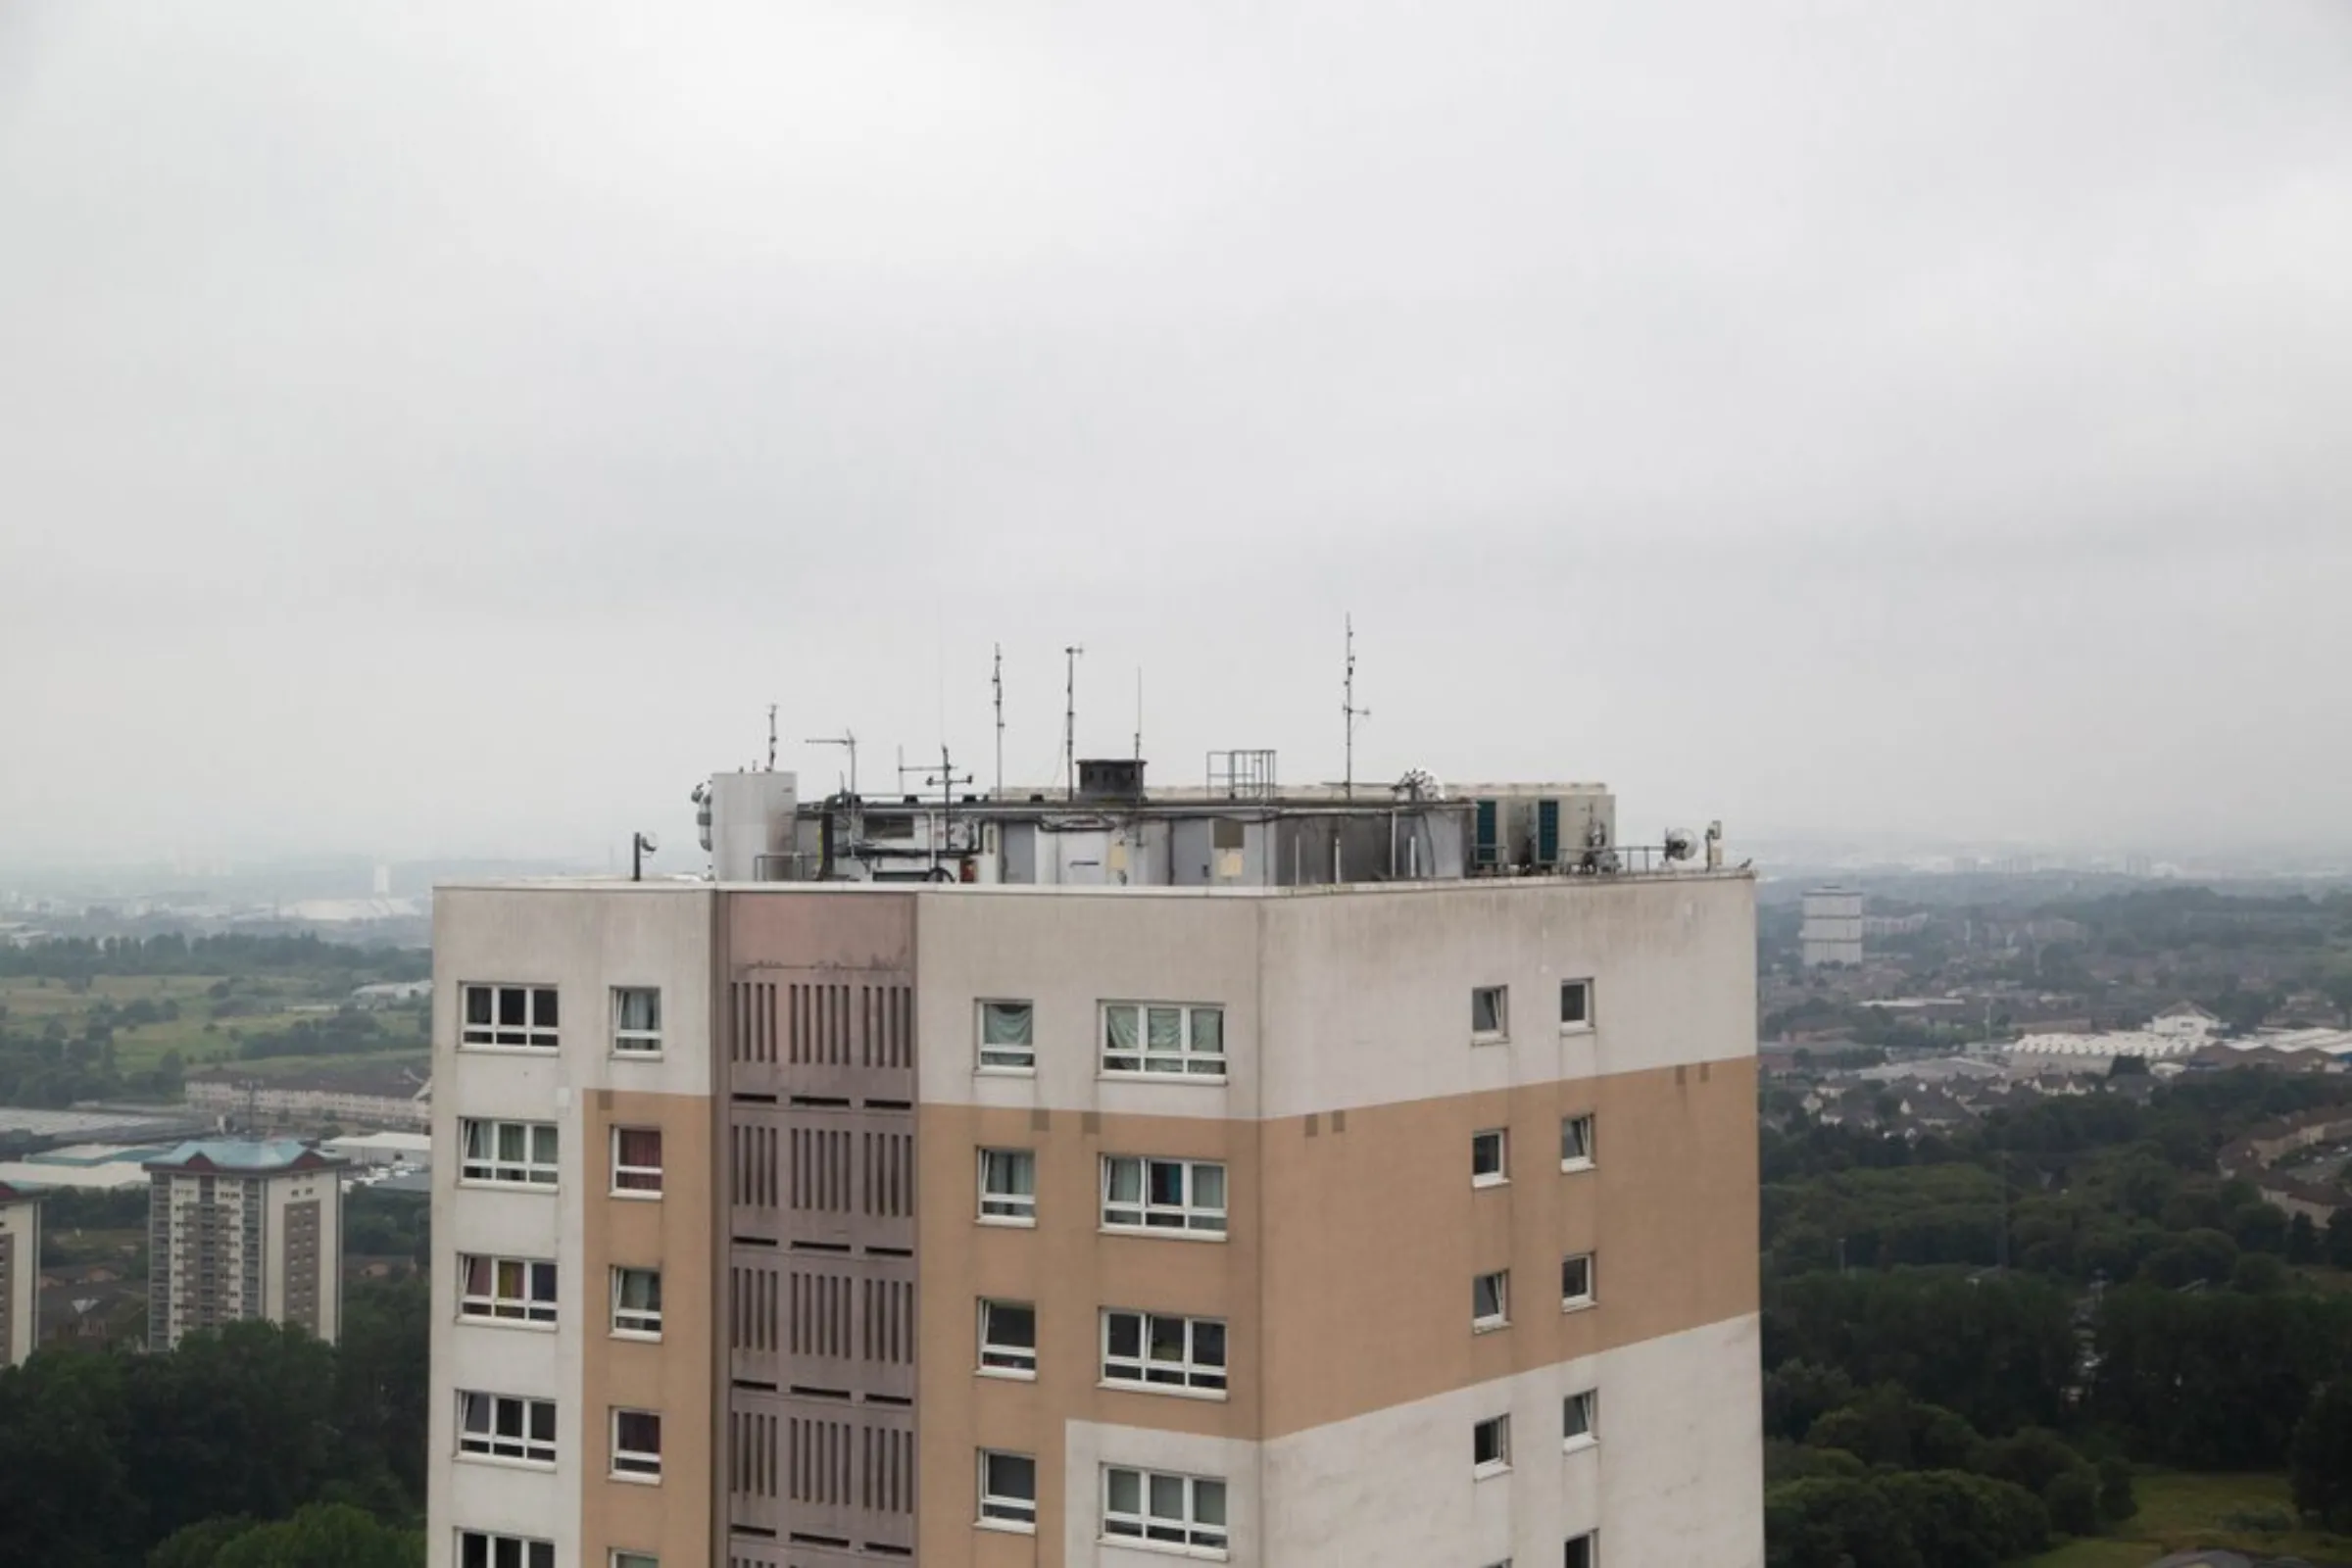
1676	1476
1360	995
584	939
23	1222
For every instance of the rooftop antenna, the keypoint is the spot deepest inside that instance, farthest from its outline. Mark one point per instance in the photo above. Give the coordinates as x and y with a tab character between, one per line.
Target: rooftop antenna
1139	712
847	738
1349	712
771	737
996	680
946	778
1069	717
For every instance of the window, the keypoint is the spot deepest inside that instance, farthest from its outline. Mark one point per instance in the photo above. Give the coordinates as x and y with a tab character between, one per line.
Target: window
1148	1037
1163	1194
1008	1186
1007	1036
1490	1158
637	1161
509	1154
511	1290
1576	1004
637	1301
1490	1300
1576	1281
1162	1350
479	1548
1579	1413
1171	1509
1008	1339
1007	1490
635	1559
503	1427
517	1017
1491	1447
1584	1551
636	1022
1576	1143
1491	1012
637	1445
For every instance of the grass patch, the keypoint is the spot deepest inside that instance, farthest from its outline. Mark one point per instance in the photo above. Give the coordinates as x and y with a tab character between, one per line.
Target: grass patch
2182	1512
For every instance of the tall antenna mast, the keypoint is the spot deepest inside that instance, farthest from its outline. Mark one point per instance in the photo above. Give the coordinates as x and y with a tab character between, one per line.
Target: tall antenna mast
1069	718
996	679
1139	712
946	778
771	737
1349	712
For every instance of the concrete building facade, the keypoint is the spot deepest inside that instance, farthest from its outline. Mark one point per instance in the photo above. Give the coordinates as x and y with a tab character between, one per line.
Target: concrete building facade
20	1272
1833	928
801	1225
241	1231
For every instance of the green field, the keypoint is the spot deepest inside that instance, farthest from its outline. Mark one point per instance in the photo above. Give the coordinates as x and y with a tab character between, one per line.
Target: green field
2179	1512
254	1007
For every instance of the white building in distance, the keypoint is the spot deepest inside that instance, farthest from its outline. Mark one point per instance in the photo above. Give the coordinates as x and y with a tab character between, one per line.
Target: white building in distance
1833	928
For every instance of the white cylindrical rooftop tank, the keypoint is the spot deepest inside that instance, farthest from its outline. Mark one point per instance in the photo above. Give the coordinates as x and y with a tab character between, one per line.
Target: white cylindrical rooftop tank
752	827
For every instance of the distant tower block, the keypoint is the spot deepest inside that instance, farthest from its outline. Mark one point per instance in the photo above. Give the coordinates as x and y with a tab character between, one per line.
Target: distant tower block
383	881
1833	929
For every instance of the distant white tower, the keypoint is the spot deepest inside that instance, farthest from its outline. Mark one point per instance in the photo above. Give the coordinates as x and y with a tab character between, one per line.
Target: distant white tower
383	881
1833	929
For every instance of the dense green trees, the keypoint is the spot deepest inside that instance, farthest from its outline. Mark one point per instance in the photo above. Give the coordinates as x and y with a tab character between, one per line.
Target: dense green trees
2322	1454
103	1456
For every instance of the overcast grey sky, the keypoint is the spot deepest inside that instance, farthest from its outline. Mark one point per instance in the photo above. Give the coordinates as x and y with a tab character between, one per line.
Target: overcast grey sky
444	427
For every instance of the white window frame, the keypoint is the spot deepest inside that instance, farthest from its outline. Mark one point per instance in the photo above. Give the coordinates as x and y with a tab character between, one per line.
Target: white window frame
492	1443
1190	1373
1501	1139
1185	1534
1142	1215
1186	1060
1017	1058
1009	1208
1495	1432
493	1032
1575	1026
635	1172
636	1041
1501	1031
642	1465
1591	1292
493	1170
1009	1360
623	1557
635	1322
507	1551
1581	1407
1006	1510
1500	1317
1590	1540
527	1310
1592	1127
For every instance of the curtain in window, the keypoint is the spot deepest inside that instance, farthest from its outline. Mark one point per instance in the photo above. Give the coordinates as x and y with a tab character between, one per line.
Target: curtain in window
510	1278
1003	1023
543	1145
1011	1173
1118	1029
1574	1144
1209	1031
640	1291
1166	1029
1126	1181
639	1010
510	1140
1208	1187
640	1148
1124	1489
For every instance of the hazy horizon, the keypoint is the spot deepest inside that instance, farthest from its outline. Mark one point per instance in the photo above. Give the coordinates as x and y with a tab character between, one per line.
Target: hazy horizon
446	431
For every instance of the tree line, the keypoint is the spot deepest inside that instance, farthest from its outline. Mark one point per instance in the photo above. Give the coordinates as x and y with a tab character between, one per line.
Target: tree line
255	1447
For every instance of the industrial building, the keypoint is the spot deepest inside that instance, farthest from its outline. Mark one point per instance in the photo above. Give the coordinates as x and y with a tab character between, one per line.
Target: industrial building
240	1231
1833	928
20	1272
1050	1178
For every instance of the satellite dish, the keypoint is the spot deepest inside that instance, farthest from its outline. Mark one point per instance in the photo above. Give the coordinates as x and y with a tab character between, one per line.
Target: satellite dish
651	843
1681	844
